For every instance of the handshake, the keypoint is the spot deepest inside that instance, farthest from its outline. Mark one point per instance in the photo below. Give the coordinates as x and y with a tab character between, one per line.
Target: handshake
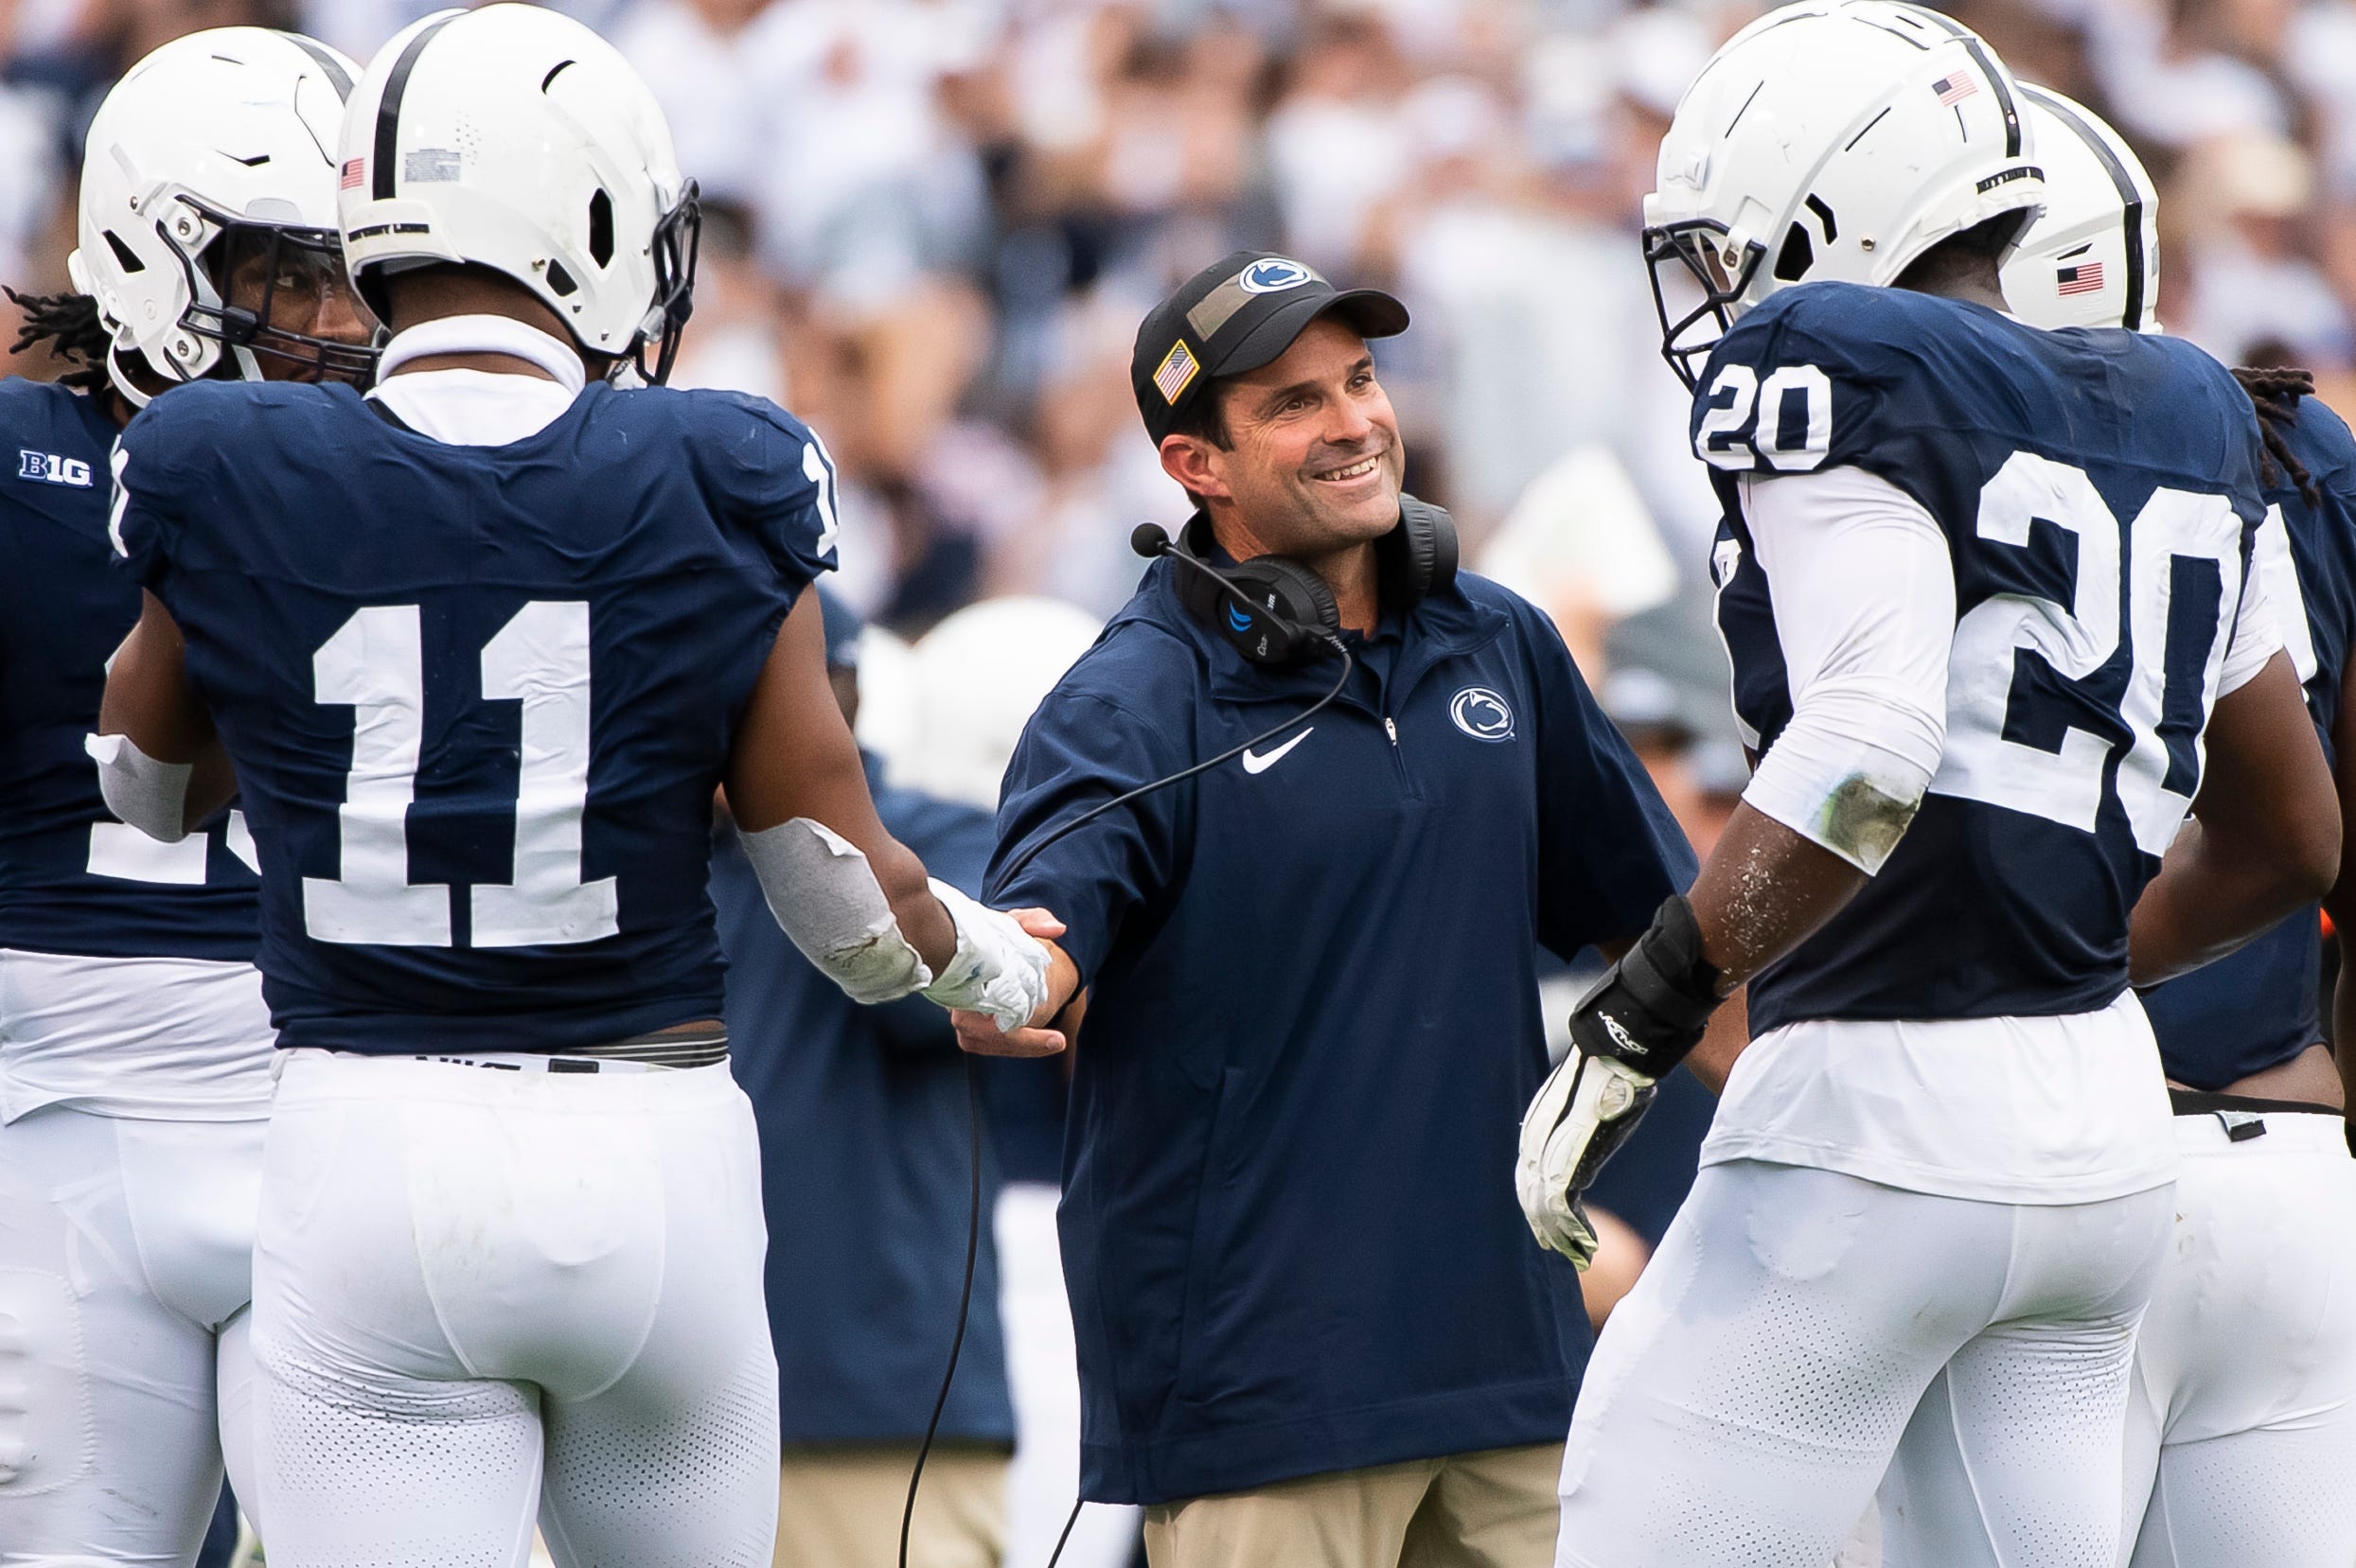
1638	1022
1016	981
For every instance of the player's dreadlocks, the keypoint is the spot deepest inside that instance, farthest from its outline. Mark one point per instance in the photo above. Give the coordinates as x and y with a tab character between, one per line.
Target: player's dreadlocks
2275	391
69	324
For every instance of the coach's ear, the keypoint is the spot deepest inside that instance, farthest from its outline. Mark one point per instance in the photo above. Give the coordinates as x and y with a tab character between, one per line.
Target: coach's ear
1198	465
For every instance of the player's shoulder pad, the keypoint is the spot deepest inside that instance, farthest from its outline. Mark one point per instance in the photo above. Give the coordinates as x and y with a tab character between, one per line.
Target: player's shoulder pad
199	422
26	406
1767	402
2321	440
764	469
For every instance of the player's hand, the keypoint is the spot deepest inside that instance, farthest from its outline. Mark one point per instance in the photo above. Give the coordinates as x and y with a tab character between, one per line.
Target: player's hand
978	1033
1001	966
1585	1110
1647	1011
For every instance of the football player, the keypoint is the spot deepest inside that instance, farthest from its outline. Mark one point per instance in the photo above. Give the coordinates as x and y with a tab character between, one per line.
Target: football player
2241	1426
1987	593
477	648
135	1048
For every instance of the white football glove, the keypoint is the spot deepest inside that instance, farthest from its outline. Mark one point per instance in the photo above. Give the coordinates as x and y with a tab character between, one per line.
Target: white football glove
1584	1111
999	969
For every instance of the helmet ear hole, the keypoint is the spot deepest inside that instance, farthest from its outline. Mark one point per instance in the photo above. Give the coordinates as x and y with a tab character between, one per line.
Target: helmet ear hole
123	254
1797	255
560	280
601	227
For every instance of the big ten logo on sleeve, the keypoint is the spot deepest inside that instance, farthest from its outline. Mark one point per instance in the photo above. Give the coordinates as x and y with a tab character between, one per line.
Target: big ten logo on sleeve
49	469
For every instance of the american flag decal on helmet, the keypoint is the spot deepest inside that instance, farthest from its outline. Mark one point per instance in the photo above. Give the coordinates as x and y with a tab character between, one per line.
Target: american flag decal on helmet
2084	278
355	171
1955	87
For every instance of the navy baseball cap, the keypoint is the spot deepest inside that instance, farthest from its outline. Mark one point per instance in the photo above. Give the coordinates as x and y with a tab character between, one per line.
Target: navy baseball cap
1236	315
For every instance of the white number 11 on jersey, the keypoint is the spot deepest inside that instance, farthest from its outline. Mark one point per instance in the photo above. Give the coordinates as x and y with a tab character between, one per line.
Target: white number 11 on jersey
376	664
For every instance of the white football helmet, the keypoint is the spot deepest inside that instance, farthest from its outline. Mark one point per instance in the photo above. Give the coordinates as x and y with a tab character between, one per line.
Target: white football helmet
1830	139
212	156
2094	259
515	138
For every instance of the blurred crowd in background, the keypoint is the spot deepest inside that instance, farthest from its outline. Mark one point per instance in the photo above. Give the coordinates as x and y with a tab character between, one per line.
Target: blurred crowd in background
931	227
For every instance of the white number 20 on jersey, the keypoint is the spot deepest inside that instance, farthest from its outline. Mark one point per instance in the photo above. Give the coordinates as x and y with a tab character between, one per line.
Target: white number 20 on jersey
376	664
2076	638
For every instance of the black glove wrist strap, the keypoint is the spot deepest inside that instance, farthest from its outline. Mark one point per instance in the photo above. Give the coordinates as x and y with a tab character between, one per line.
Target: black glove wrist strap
1655	1003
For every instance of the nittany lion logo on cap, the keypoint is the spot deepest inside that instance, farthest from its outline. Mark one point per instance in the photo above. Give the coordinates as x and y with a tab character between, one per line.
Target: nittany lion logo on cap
1481	714
1274	276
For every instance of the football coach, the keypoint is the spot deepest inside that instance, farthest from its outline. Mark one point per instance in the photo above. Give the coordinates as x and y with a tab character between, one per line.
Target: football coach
1312	1328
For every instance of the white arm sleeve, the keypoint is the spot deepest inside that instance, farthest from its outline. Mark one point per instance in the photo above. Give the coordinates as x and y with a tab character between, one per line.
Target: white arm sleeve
826	900
1864	610
2256	635
152	796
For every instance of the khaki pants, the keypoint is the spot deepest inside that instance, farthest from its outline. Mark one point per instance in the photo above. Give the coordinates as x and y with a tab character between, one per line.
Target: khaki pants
1494	1509
839	1507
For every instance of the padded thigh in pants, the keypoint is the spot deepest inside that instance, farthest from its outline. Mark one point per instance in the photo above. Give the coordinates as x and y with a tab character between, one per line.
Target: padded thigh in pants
1748	1397
126	1252
2242	1435
485	1296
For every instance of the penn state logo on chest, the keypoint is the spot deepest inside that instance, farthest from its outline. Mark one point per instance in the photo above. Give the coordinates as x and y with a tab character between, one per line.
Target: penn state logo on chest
49	469
1482	713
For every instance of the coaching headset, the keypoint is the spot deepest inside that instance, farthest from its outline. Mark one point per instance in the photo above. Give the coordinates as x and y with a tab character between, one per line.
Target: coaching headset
1273	609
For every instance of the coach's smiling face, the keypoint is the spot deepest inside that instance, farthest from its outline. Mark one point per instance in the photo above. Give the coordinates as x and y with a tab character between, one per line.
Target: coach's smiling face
1312	459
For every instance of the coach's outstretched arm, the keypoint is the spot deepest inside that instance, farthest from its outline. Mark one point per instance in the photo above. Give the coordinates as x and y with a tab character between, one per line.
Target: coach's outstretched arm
853	899
2264	838
161	766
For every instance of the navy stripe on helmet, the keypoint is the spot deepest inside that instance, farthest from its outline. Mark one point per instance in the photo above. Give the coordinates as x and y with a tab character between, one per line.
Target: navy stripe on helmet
2129	196
388	111
327	62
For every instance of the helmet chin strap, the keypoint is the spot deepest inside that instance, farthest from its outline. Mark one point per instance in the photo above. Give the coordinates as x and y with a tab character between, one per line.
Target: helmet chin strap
124	385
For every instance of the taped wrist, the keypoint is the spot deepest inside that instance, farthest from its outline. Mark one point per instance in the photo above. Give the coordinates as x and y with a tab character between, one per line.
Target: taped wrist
826	900
152	796
1650	1008
998	968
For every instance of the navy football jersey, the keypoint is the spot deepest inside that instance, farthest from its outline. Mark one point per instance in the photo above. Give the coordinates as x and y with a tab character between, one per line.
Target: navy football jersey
73	879
478	698
2261	1006
2099	492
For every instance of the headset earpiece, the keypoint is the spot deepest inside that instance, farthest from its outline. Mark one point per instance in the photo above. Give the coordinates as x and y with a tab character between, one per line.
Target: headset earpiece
1295	611
1418	556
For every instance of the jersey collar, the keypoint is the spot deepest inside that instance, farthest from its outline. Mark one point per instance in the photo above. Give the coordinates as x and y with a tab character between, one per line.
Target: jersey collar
486	335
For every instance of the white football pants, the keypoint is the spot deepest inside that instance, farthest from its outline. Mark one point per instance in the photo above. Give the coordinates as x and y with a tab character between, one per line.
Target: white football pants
486	1297
2241	1433
1798	1329
126	1262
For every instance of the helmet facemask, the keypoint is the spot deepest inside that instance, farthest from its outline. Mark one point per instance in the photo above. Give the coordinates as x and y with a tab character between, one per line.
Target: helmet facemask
296	270
677	236
1707	254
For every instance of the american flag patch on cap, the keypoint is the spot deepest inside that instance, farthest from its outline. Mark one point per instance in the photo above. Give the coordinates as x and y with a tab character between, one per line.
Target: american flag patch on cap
354	168
2084	278
1178	369
1953	87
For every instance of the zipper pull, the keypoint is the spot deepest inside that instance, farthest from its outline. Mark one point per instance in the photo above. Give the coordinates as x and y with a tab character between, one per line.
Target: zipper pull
1392	730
